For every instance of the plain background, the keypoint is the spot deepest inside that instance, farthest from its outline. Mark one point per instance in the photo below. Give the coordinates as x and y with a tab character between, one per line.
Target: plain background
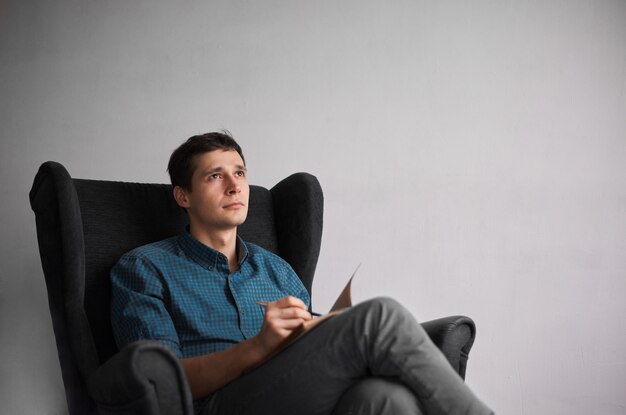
472	156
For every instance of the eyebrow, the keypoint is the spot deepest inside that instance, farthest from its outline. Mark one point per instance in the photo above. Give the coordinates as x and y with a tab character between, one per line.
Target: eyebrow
218	169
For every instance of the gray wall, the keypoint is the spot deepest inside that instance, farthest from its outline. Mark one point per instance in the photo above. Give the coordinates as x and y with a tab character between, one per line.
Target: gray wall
472	155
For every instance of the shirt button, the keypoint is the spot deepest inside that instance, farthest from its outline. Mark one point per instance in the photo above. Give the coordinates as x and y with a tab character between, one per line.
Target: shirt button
210	267
243	312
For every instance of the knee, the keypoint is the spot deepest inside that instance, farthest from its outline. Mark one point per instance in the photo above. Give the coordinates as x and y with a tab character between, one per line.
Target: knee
384	316
387	306
387	302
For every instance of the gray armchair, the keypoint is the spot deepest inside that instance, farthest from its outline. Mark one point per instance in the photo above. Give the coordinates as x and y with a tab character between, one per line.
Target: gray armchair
84	226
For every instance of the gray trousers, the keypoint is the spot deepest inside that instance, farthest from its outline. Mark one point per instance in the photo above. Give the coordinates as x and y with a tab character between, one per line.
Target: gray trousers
373	358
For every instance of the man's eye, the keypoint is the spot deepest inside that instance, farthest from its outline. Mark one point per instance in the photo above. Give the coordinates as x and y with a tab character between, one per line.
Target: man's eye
240	173
214	176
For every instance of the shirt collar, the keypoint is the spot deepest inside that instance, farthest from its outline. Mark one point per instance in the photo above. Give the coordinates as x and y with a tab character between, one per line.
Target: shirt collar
206	256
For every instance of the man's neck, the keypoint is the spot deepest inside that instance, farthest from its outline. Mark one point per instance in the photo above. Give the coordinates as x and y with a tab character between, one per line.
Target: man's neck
224	241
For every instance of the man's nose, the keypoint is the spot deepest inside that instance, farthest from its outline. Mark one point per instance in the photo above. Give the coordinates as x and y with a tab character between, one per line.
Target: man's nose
232	185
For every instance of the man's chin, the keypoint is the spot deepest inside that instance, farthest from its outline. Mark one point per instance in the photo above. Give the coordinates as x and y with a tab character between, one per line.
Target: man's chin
240	220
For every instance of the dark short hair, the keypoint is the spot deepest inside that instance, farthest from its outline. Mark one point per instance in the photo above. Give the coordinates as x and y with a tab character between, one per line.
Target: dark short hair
182	161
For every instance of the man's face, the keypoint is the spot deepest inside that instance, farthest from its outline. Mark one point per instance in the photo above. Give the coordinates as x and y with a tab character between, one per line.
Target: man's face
218	199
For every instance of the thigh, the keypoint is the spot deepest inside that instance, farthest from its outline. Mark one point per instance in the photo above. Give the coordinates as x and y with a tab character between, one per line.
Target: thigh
378	396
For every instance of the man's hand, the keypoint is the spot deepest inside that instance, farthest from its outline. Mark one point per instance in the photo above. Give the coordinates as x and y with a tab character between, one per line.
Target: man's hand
207	373
281	318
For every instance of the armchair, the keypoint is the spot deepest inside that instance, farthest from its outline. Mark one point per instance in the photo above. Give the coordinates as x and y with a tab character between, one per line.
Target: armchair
84	226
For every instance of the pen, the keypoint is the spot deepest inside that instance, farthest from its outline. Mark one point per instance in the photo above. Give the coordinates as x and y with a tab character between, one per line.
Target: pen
265	303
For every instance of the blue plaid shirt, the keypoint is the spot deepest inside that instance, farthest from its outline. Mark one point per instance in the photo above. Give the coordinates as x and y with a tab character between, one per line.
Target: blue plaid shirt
181	292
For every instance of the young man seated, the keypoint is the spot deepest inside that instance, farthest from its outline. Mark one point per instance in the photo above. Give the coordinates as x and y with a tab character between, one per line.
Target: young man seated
198	294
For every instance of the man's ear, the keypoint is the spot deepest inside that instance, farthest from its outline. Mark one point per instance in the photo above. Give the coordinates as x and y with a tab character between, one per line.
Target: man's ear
180	195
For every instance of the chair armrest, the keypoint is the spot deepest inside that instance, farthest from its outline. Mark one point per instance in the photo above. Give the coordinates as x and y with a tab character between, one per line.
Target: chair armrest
454	336
144	378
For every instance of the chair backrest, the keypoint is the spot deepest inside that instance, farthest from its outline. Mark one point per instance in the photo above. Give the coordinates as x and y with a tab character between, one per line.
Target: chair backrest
84	226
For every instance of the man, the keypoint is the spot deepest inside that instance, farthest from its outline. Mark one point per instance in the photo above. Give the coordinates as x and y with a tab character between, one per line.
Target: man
198	294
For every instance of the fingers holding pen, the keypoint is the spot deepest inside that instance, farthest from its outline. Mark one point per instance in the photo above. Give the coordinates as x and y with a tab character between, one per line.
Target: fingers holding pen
282	317
287	308
290	302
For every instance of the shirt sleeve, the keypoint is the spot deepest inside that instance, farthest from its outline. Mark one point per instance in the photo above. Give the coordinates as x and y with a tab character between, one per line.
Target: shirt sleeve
139	304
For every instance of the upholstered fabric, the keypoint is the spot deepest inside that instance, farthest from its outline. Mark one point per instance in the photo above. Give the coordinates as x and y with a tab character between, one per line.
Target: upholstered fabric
84	226
454	335
144	378
299	203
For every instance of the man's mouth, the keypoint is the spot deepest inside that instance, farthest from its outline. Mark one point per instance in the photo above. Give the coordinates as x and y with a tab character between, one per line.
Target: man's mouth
233	205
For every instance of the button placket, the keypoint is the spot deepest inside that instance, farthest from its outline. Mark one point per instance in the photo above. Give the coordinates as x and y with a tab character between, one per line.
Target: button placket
232	284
